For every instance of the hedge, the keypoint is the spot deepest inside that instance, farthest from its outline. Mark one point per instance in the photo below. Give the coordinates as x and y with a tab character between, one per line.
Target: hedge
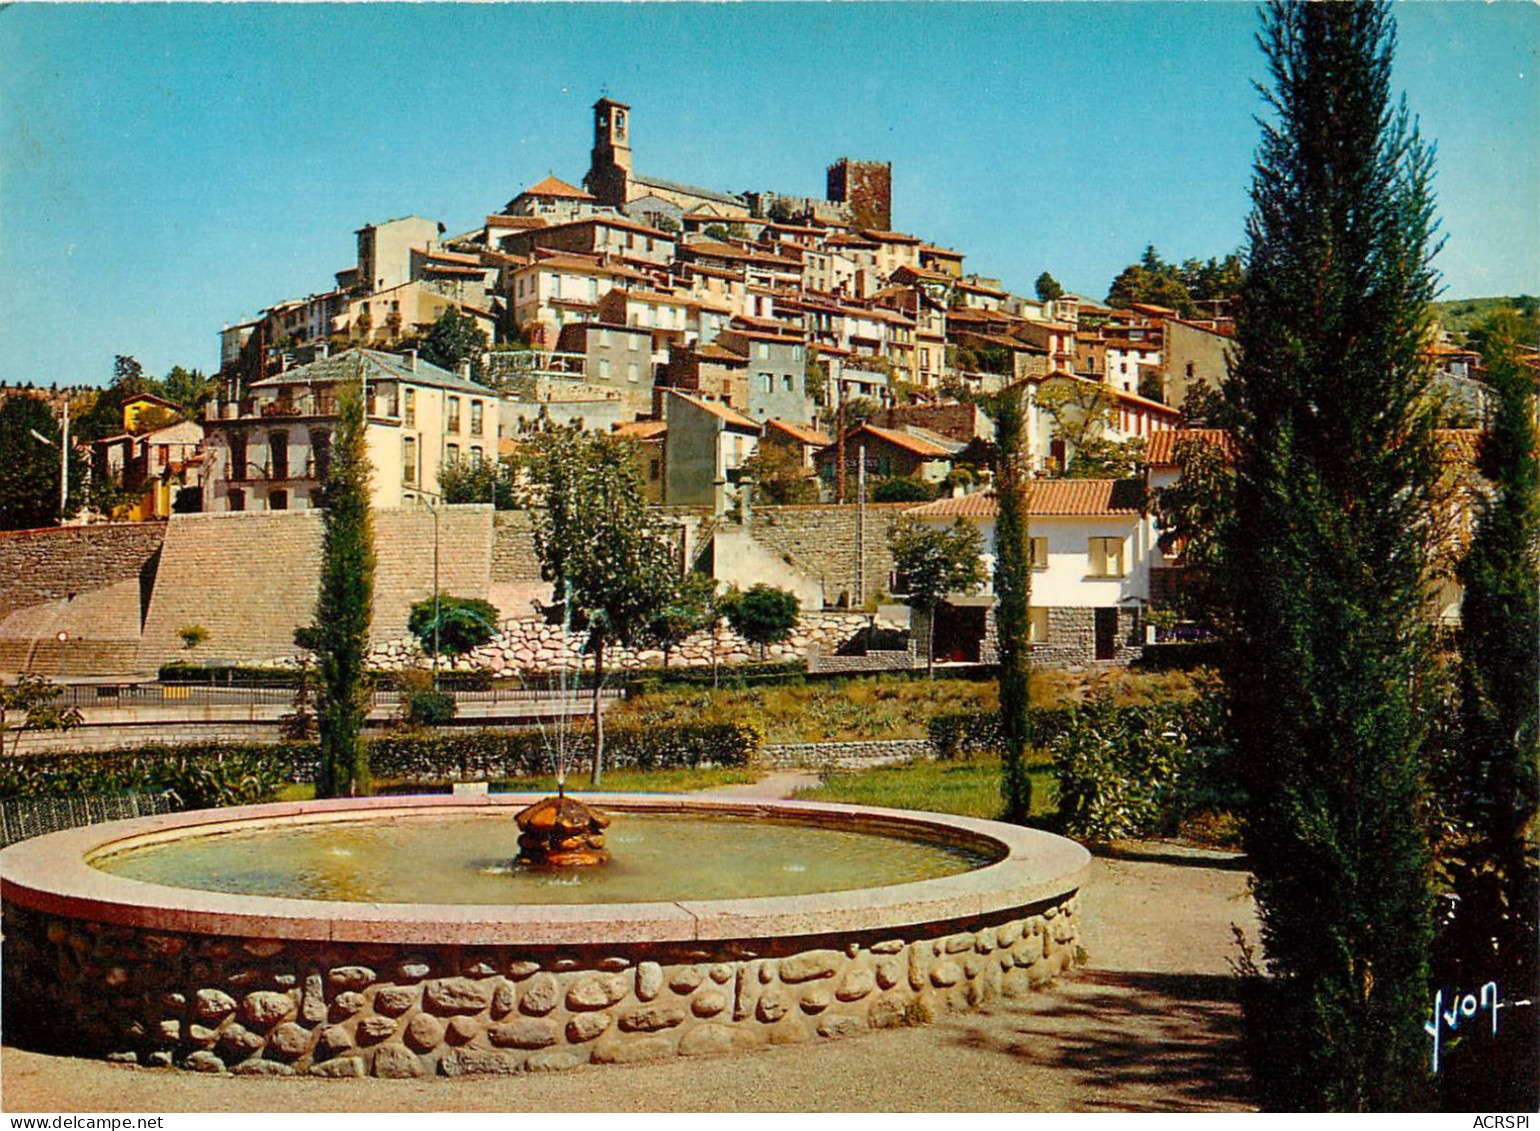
206	775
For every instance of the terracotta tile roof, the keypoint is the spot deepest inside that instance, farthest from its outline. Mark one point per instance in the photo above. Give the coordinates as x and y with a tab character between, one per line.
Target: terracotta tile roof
715	352
642	430
890	237
1050	498
1160	447
500	221
720	411
941	252
554	186
688	190
918	445
799	433
621	222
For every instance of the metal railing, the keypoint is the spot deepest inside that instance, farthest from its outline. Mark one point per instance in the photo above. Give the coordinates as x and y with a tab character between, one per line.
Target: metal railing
155	694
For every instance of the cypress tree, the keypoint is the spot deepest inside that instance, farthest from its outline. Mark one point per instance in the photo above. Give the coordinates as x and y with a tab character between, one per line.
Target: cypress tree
340	635
1490	935
1013	599
1330	547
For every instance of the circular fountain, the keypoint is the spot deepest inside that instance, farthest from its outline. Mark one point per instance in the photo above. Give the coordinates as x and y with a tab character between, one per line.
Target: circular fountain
324	955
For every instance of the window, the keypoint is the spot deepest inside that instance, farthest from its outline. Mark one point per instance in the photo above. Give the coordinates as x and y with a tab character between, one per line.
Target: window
638	342
238	461
277	500
1038	553
278	455
452	453
604	337
321	454
409	406
454	414
476	456
604	368
796	353
787	384
762	349
1106	557
477	410
654	470
1037	624
766	382
237	499
631	372
409	460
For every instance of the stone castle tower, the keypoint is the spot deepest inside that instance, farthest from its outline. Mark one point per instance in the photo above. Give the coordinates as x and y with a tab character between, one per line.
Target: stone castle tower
867	187
609	165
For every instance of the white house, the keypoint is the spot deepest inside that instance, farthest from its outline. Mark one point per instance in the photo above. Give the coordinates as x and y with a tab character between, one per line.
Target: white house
1091	545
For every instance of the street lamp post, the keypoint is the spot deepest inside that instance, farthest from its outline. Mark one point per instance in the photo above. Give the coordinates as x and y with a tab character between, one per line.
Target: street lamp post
64	650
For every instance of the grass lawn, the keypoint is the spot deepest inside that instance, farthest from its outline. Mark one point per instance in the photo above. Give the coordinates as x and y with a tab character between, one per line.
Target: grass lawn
876	707
968	788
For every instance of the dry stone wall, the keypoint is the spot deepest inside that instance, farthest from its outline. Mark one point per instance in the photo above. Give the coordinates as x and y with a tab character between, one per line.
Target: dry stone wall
272	1007
534	645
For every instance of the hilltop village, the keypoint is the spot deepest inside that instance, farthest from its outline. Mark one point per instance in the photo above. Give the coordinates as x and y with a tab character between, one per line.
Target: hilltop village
797	374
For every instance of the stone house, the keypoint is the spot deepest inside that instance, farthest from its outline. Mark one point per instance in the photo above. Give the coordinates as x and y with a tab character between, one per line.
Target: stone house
384	317
271	450
1091	549
707	446
615	356
651	439
776	371
385	253
905	451
553	200
152	465
555	289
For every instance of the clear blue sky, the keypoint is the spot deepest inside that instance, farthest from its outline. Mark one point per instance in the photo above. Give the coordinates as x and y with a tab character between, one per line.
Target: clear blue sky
165	170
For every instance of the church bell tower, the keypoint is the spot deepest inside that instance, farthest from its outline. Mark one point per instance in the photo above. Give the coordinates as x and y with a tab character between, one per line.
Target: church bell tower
609	169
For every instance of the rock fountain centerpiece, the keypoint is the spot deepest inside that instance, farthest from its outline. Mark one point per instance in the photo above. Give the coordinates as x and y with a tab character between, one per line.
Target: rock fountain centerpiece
561	832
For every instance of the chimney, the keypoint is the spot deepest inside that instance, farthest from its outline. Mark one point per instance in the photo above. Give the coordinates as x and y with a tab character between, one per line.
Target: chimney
323	349
464	369
411	359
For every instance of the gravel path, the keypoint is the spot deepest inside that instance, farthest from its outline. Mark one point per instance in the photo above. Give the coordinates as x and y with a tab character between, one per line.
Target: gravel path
1151	1024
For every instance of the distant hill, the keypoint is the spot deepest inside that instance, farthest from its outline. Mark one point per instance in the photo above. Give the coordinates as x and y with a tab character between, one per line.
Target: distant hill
1464	314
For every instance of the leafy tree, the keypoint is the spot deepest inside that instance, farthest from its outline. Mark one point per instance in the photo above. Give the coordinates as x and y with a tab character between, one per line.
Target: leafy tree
1330	552
454	338
1194	515
779	211
1098	457
816	378
1048	288
340	635
693	607
36	701
902	489
762	615
105	416
454	624
1204	407
192	636
486	481
936	561
1013	600
668	224
1491	934
1080	411
608	554
189	391
779	477
716	232
29	472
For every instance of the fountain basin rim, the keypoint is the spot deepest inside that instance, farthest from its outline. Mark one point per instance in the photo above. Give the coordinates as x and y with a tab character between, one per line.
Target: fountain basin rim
52	874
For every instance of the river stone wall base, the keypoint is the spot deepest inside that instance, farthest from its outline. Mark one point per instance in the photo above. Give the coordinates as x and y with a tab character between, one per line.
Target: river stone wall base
270	1007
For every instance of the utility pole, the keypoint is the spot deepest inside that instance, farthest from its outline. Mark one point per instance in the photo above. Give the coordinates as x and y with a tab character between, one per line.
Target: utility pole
64	466
861	527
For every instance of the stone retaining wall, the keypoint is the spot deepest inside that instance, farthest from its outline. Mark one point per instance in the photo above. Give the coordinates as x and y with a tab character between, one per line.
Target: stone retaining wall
888	661
533	645
272	1007
844	755
50	565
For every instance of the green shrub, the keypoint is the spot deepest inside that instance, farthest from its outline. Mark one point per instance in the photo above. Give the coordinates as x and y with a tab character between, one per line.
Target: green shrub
903	489
203	776
1139	770
428	708
461	623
